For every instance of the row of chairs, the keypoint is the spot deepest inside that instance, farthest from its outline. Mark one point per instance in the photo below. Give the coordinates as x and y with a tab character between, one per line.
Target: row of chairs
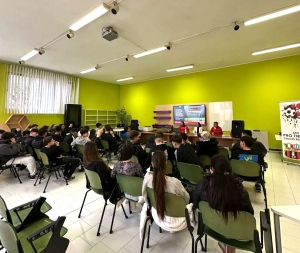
27	228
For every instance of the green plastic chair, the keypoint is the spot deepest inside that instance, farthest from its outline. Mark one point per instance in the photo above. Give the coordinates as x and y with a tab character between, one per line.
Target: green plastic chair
147	150
134	159
125	140
30	150
79	148
240	233
205	160
23	148
33	239
99	188
169	144
107	153
65	147
224	151
191	174
175	207
130	185
169	168
17	215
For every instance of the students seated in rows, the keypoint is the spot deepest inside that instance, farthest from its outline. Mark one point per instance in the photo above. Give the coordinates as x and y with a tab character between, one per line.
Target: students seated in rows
198	129
162	184
257	145
110	137
222	191
24	136
207	145
93	161
183	128
86	127
82	139
150	142
216	130
71	137
184	153
99	130
53	151
57	136
38	140
138	151
249	155
127	131
9	151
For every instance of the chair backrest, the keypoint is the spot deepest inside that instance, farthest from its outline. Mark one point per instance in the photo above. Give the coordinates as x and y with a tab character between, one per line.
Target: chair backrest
38	153
44	158
125	140
65	147
79	148
169	144
223	151
169	168
134	159
205	160
175	205
147	150
3	209
191	172
95	181
244	168
105	144
130	185
241	228
30	150
23	148
9	238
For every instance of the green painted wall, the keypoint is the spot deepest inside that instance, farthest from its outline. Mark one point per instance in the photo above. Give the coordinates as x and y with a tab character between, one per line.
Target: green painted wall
255	90
92	95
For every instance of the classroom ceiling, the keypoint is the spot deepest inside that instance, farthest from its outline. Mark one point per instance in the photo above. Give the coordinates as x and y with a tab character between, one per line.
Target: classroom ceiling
201	32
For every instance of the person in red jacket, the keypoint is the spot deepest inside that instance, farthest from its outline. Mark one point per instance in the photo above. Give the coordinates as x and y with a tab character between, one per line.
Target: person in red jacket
183	128
216	130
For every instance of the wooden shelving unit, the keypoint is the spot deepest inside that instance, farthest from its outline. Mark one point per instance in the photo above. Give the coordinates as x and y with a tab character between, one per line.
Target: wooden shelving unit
92	117
162	115
18	121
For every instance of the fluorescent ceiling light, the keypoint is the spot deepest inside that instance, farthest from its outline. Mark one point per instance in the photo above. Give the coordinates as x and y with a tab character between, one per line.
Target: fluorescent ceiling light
89	17
273	15
125	79
153	51
276	49
89	70
181	68
29	55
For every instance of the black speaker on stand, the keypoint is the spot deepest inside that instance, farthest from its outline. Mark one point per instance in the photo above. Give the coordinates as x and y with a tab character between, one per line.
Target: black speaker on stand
134	124
237	127
73	115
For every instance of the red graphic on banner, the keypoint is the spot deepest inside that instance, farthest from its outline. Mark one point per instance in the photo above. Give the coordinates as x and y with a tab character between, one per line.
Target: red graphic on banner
291	113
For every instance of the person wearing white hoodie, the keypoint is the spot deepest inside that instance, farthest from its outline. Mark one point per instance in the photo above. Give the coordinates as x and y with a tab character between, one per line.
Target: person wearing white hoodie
82	139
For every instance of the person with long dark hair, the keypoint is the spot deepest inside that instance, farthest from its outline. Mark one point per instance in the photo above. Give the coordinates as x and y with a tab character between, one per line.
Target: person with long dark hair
223	191
183	128
93	161
198	129
161	184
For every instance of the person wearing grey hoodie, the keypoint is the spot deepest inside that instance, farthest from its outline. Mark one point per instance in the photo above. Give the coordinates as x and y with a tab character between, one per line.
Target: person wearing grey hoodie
83	139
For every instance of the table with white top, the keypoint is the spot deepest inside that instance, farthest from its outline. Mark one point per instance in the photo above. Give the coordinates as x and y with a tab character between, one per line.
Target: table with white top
118	131
289	212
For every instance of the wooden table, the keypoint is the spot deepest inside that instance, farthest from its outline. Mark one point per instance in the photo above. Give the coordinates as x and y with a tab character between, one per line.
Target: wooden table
224	141
289	212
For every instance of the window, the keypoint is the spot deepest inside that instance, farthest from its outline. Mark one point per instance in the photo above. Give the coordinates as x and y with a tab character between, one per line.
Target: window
37	91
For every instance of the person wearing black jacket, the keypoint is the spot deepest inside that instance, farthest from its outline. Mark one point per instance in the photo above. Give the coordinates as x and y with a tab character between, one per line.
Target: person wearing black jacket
138	151
53	151
207	145
109	136
57	136
24	136
71	137
38	140
33	133
151	140
9	151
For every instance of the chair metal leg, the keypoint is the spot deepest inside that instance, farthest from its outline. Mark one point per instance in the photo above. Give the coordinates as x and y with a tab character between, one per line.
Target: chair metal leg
38	176
160	230
47	182
17	175
56	174
193	244
149	228
124	211
98	232
205	238
83	202
13	171
42	175
112	221
144	233
129	207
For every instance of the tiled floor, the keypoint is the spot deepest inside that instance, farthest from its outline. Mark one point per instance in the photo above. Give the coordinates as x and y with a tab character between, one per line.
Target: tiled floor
283	188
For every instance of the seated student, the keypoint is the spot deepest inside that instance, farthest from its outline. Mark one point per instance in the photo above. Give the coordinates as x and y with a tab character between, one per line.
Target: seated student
9	151
63	130
120	124
185	138
162	184
184	153
82	139
110	137
71	137
33	133
223	191
24	136
38	140
138	151
246	154
183	128
34	126
52	129
198	129
127	131
86	127
93	161
53	151
1	132
57	136
207	145
257	145
99	130
127	167
70	127
150	142
93	135
216	130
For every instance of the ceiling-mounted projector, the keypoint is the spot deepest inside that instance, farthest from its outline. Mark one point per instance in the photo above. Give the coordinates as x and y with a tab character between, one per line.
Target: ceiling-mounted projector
109	33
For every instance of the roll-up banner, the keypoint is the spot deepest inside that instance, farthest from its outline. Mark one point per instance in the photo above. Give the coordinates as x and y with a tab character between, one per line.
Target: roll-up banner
290	131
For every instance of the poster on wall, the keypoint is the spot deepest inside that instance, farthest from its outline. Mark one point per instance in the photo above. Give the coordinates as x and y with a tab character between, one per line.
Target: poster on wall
290	131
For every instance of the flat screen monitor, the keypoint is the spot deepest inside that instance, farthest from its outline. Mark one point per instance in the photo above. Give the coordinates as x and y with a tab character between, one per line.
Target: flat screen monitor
189	114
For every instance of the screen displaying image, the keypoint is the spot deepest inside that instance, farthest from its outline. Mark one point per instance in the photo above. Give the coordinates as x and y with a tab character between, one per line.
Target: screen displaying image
189	114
